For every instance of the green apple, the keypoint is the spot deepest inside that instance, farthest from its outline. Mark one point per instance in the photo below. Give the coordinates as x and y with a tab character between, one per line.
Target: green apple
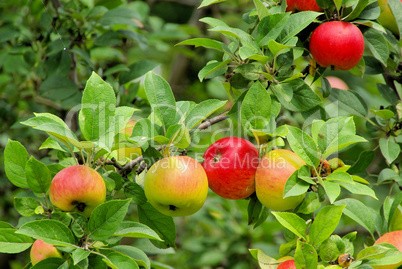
176	186
77	188
272	173
41	250
127	152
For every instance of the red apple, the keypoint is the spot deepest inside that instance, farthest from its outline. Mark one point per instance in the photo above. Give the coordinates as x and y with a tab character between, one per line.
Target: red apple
77	188
337	43
394	238
302	5
338	83
289	264
272	173
41	250
176	186
230	164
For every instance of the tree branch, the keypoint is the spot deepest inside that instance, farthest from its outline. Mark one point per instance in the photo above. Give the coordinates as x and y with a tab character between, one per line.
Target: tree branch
129	166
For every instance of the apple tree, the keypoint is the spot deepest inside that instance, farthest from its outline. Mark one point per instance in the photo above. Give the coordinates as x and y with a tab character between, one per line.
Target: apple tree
327	178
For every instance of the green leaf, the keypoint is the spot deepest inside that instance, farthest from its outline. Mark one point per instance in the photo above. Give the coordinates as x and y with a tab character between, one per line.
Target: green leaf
270	27
79	254
202	111
57	87
136	70
54	126
377	251
363	162
299	96
276	47
325	224
211	67
303	145
161	224
135	192
50	231
296	23
97	115
389	149
309	204
358	212
205	3
377	45
51	143
51	263
262	10
11	242
239	34
292	222
305	256
348	101
106	218
332	190
117	260
178	135
205	42
120	15
388	93
396	9
38	176
254	209
15	159
329	250
255	110
136	254
161	99
25	205
357	9
136	230
295	186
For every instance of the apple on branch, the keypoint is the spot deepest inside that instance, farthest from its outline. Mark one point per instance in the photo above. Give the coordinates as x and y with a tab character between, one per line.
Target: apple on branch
272	173
230	164
176	186
41	250
77	188
337	44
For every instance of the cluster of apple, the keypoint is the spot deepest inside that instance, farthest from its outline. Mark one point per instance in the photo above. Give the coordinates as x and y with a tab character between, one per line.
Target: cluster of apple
178	185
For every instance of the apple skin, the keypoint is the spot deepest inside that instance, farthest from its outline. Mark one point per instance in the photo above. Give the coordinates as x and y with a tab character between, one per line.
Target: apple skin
127	152
337	43
230	164
77	188
338	83
387	18
272	173
289	264
176	186
302	5
394	238
41	250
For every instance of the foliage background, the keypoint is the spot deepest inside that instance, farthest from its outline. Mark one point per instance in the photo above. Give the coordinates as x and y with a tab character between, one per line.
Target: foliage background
47	55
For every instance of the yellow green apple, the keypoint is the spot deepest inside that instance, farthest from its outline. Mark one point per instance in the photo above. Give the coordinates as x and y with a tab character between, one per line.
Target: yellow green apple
393	238
272	173
77	188
176	186
128	151
387	18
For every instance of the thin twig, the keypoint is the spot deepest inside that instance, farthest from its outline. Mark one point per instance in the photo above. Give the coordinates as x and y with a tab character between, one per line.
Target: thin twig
129	166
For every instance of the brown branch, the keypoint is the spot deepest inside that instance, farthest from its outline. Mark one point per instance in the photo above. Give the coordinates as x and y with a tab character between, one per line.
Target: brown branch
129	166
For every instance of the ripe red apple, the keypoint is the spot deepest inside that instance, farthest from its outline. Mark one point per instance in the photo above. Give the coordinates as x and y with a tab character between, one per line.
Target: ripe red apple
77	188
289	264
337	43
272	173
394	238
41	250
338	83
176	186
302	5
230	164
